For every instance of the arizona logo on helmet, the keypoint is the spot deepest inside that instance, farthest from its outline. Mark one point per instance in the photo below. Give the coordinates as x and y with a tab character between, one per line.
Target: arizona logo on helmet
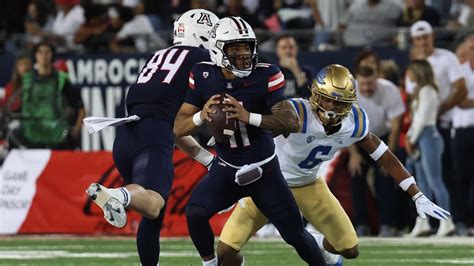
205	19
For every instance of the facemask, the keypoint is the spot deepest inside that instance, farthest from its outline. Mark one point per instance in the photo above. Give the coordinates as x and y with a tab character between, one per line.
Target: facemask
410	86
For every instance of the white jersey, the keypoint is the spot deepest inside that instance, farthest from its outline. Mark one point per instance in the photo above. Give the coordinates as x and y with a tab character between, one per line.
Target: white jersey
301	154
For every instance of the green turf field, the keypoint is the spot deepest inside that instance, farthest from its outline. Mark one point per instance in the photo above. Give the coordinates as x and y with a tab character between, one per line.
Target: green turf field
60	250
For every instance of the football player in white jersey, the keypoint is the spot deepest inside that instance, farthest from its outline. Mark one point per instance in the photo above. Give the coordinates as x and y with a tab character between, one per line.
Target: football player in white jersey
331	121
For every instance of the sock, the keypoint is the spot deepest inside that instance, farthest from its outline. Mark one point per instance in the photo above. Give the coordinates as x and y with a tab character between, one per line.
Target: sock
122	194
319	239
212	262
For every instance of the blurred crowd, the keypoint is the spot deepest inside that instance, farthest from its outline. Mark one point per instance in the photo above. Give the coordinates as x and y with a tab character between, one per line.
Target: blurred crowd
425	113
145	25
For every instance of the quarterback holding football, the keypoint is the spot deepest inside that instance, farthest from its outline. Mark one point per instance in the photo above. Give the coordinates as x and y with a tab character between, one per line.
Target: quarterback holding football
330	121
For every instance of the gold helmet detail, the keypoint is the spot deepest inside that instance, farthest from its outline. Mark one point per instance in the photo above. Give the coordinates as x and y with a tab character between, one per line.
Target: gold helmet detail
332	94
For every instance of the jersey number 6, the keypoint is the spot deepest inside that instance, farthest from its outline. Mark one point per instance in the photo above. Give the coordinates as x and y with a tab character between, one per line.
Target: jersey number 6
311	161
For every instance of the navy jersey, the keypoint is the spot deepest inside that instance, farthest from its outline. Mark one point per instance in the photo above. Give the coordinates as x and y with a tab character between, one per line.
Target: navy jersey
258	93
163	82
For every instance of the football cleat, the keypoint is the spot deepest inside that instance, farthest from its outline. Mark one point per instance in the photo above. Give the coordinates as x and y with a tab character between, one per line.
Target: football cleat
114	211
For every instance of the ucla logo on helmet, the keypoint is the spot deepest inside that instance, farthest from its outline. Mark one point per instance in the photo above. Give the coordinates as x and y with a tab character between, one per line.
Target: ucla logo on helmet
321	76
205	18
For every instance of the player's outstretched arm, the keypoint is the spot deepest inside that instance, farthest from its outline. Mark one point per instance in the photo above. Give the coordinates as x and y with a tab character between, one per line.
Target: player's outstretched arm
190	117
379	151
283	120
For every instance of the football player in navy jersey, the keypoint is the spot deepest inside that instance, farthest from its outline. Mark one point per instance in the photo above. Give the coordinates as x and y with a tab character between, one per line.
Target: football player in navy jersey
246	165
143	150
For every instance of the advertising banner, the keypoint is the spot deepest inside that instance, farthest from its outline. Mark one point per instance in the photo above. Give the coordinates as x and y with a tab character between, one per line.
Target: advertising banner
43	191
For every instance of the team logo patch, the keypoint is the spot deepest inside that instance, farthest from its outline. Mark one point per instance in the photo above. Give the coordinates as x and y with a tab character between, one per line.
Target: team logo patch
205	18
205	74
310	139
229	85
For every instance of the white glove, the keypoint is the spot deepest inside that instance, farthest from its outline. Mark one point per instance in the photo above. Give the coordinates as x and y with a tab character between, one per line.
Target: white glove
424	206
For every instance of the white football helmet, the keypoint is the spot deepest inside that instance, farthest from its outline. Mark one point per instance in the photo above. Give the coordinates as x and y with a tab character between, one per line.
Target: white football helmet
232	30
192	28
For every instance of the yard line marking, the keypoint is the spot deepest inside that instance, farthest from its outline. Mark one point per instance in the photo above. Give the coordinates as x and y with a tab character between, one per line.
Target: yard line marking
47	254
466	261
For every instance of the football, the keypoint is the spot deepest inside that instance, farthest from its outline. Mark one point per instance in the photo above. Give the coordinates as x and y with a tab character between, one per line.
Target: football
221	127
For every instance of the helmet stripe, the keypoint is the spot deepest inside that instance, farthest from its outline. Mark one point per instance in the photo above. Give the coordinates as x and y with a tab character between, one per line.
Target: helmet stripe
245	26
239	27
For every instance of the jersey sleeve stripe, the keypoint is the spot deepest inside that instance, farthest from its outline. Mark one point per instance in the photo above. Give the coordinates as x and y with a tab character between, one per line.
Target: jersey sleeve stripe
361	122
277	83
191	80
295	105
365	128
356	121
298	109
305	116
275	77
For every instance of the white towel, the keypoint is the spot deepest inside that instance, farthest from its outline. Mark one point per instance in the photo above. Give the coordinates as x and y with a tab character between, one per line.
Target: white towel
96	124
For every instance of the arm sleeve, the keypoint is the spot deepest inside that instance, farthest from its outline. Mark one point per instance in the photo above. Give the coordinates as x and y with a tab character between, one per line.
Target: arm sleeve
194	95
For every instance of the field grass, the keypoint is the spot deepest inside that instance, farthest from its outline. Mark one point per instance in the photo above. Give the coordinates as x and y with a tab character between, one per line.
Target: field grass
61	250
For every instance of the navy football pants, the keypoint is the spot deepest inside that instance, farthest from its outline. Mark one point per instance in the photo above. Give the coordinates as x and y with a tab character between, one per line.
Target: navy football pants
271	195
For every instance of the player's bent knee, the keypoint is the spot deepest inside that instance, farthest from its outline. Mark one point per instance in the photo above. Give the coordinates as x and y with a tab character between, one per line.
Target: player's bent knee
156	204
194	212
351	253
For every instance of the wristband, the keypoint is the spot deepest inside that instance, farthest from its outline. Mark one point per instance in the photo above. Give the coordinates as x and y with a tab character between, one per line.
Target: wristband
417	196
255	119
204	157
197	119
379	151
407	182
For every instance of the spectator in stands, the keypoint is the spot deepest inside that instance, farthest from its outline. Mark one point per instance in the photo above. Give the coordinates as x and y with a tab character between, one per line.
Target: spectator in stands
463	123
236	8
298	14
11	101
367	58
424	144
449	77
51	108
298	77
370	23
141	31
462	15
389	70
331	12
38	21
93	32
69	18
383	104
415	10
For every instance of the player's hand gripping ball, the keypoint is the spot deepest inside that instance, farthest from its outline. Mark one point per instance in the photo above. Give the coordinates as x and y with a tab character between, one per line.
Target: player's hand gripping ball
221	127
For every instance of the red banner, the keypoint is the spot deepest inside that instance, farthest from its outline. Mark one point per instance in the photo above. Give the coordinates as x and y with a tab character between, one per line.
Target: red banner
61	205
